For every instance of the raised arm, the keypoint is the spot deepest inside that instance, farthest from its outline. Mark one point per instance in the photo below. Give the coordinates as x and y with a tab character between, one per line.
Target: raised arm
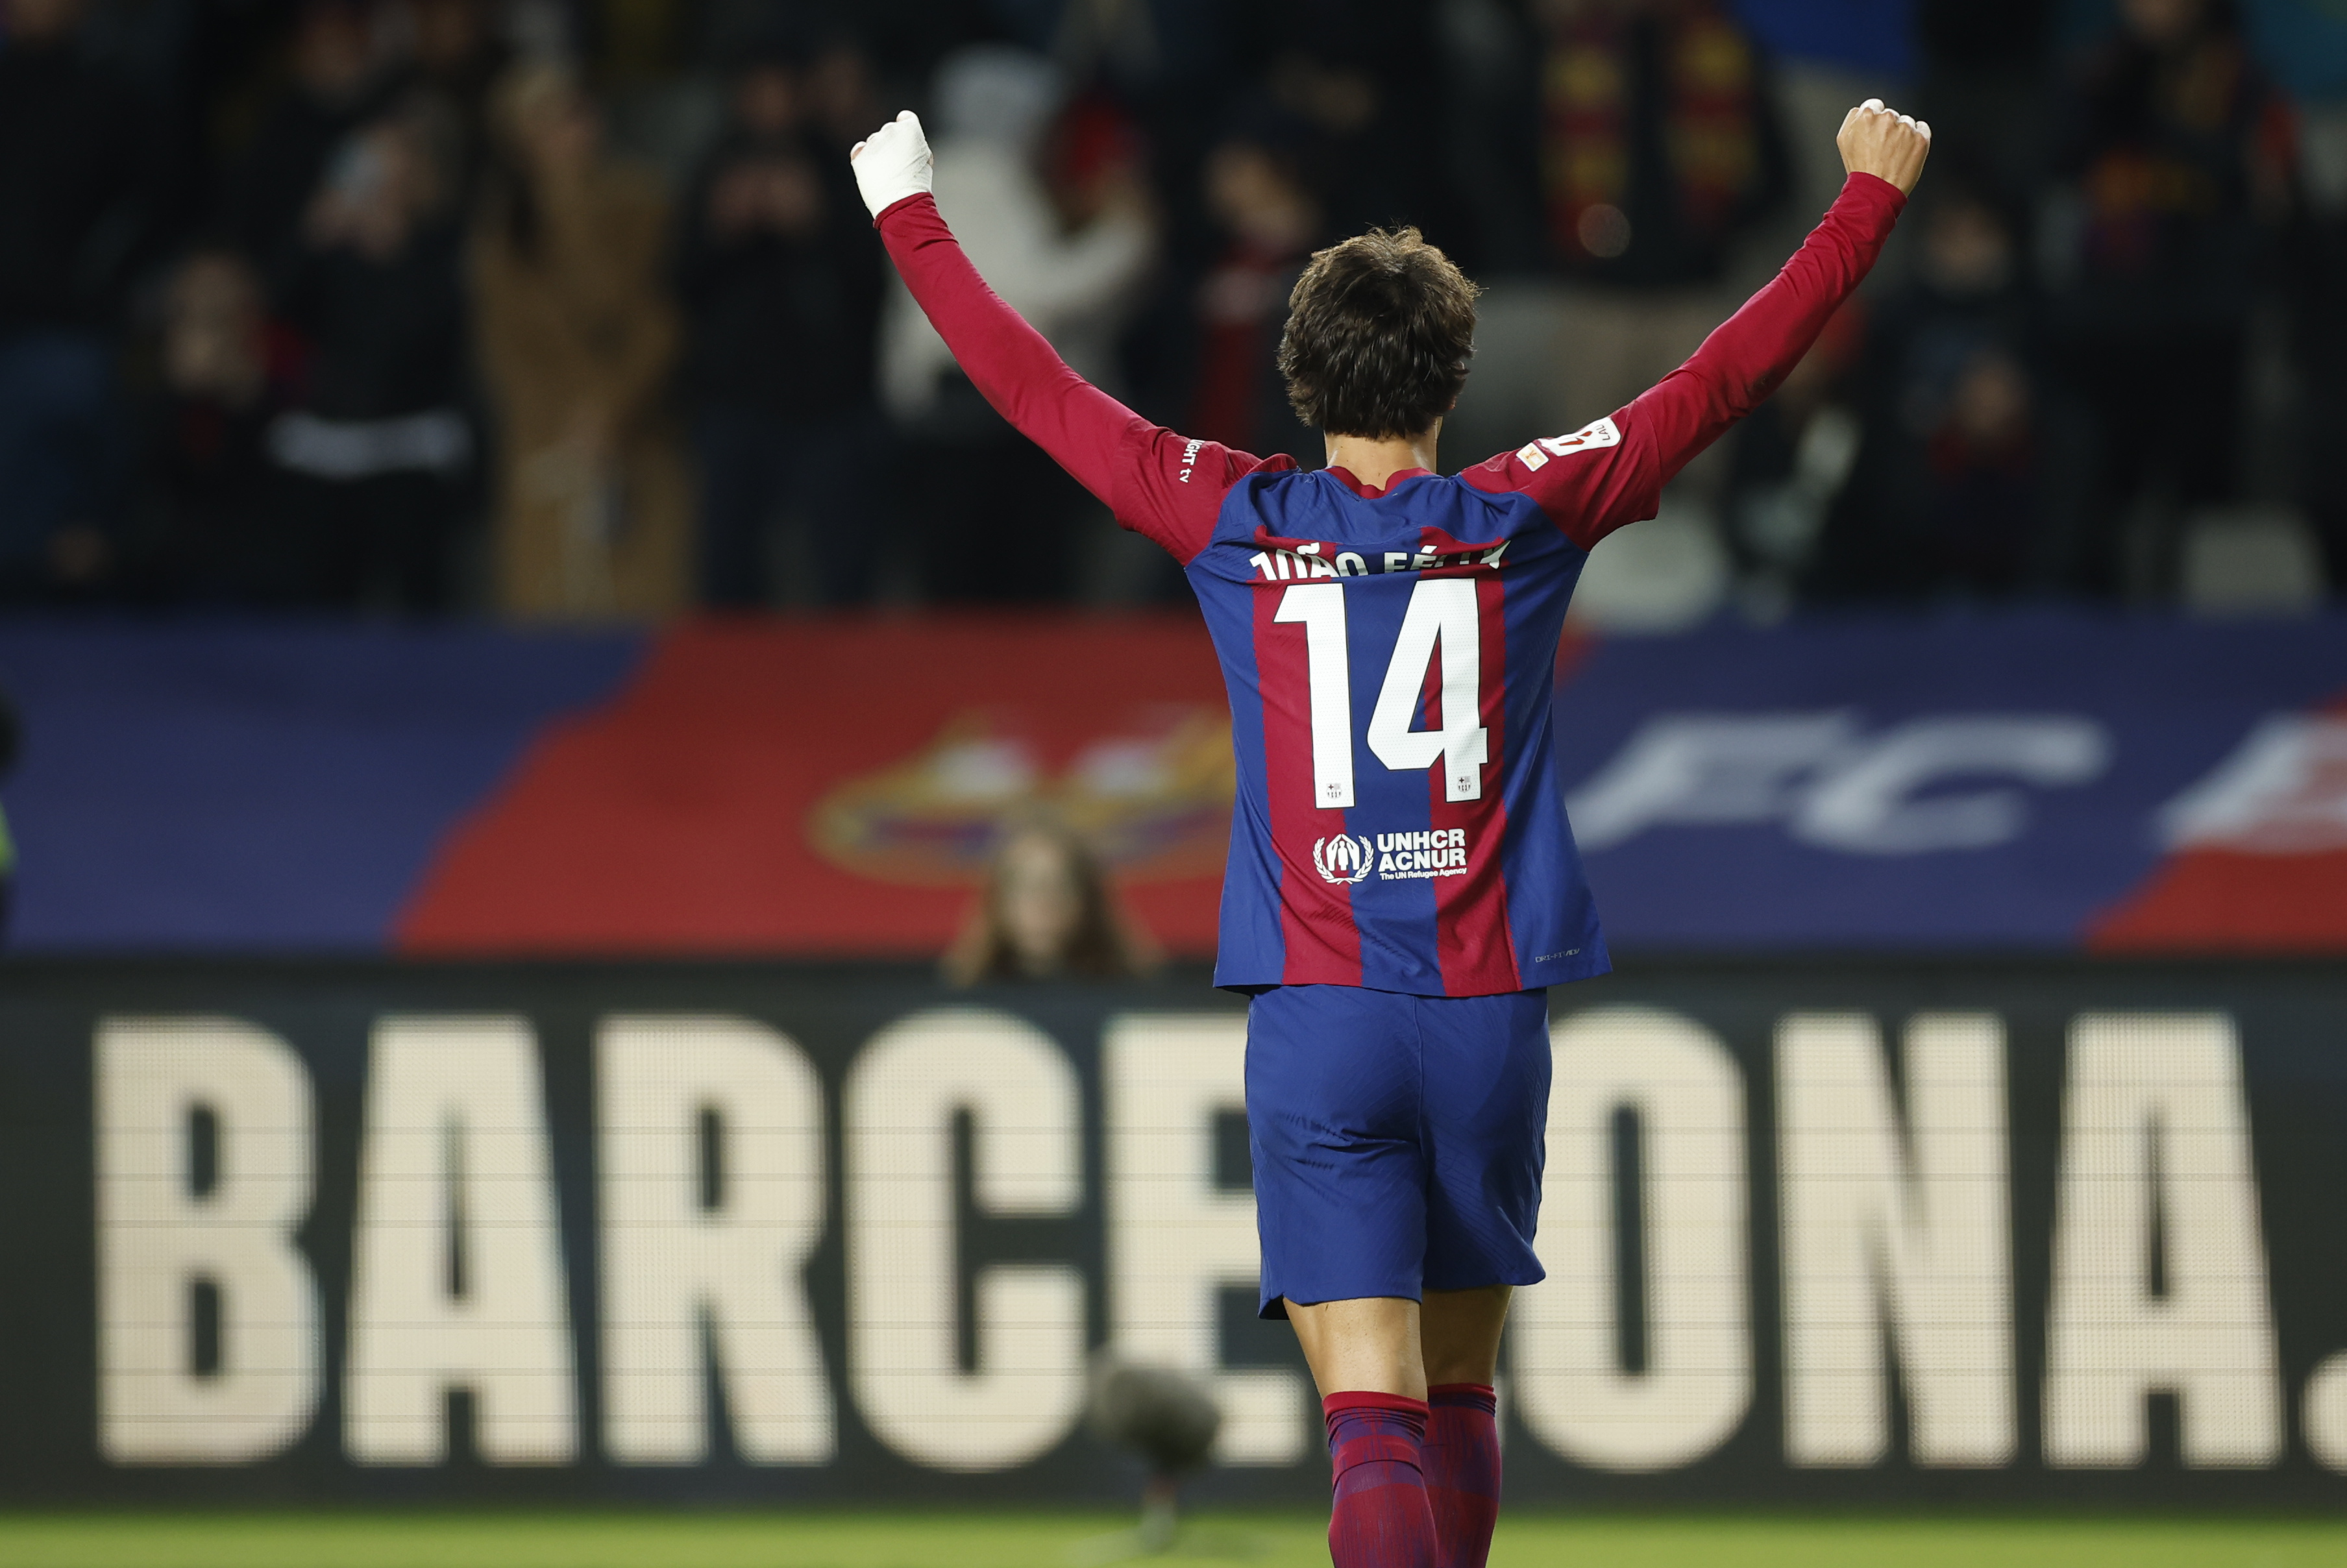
1021	373
1742	363
1141	472
1612	472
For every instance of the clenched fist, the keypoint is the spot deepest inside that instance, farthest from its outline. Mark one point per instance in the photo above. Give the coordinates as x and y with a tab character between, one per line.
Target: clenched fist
891	163
1884	143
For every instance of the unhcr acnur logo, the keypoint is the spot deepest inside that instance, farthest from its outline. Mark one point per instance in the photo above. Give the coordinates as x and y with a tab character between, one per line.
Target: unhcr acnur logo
1343	858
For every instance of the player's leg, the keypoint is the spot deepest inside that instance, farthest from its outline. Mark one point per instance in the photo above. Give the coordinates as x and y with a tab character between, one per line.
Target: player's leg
1333	1095
1371	1343
1364	1356
1459	1332
1487	1074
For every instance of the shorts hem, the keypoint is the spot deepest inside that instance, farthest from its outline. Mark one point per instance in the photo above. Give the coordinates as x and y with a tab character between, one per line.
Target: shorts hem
1273	1303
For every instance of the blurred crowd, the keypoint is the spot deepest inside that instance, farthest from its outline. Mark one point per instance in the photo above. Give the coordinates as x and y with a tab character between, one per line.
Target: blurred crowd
568	310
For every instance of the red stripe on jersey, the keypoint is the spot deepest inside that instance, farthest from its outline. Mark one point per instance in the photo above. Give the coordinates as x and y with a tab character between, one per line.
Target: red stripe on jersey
1471	937
1318	933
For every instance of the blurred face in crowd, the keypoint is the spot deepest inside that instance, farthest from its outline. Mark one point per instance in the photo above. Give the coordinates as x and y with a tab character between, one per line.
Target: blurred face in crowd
1966	250
768	101
1339	99
385	181
553	125
211	330
2163	24
38	21
780	192
450	34
1041	900
1252	194
766	193
1990	404
839	93
333	50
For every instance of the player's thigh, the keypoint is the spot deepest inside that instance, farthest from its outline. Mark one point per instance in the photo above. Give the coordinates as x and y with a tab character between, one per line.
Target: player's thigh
1333	1099
1486	1082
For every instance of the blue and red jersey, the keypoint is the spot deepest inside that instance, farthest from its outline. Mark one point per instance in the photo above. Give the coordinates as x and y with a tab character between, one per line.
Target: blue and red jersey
1390	653
1389	657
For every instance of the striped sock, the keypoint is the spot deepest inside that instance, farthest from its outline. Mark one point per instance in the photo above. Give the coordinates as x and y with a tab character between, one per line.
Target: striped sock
1380	1518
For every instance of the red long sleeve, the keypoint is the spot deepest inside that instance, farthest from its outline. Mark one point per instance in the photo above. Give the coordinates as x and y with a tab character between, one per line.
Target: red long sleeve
1141	472
1613	473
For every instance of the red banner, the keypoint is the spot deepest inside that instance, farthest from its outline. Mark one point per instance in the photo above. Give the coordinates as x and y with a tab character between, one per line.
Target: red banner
837	787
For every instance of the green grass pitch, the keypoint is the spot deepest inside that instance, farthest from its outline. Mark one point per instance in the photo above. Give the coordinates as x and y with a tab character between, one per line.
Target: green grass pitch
916	1540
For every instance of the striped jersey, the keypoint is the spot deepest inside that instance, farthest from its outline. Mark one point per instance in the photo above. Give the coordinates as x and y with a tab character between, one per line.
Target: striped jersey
1390	658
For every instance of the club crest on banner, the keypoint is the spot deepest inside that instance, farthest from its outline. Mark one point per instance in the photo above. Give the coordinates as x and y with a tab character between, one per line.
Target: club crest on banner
1149	788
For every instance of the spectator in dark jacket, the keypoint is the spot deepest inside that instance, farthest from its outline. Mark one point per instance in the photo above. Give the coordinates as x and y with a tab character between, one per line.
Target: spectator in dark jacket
1269	222
2176	157
1953	487
379	449
780	278
457	60
1790	466
208	509
337	80
72	186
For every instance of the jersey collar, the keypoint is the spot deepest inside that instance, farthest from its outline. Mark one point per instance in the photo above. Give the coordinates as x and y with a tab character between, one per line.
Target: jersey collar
1370	492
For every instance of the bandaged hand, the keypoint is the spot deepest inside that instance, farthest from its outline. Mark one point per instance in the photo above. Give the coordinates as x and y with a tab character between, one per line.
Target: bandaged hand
891	163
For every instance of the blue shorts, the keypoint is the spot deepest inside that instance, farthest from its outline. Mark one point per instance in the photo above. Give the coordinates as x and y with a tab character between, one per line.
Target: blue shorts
1397	1141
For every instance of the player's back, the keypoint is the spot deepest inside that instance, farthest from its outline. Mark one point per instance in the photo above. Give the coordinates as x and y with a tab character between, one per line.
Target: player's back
1390	658
1389	655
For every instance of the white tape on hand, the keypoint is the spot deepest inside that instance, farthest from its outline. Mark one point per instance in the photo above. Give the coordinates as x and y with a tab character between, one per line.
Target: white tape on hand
891	163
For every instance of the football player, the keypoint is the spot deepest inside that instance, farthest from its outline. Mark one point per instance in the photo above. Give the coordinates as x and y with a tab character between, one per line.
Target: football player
1402	885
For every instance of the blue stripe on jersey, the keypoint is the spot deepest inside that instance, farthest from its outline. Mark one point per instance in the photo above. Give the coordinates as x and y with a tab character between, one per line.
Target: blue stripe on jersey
1250	910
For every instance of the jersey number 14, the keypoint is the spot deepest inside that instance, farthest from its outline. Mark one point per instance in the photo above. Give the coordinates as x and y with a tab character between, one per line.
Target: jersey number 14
1444	614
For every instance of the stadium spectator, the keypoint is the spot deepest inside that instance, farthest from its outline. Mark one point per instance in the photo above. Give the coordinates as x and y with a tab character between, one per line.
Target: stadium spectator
2304	43
1952	486
577	340
1658	148
841	101
338	78
1367	113
1048	912
2322	346
73	184
1790	468
2176	163
457	60
210	511
1268	223
779	277
1985	65
1008	539
378	447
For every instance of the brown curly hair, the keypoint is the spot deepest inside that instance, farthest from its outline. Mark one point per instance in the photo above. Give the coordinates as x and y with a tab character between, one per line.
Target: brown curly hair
1380	331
